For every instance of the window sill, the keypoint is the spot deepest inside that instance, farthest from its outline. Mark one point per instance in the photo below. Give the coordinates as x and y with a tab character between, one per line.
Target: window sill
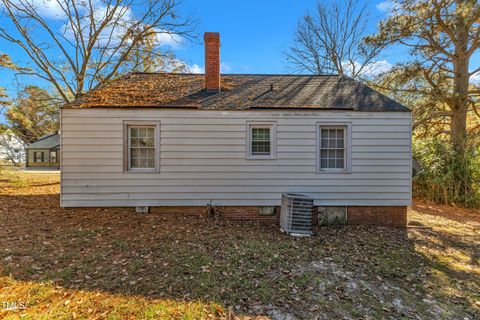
333	171
141	171
261	158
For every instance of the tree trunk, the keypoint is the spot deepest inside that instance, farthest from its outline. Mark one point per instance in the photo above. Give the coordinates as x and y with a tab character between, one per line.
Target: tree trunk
458	126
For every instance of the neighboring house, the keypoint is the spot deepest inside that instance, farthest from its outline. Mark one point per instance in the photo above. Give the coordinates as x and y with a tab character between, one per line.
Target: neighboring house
44	153
12	149
182	141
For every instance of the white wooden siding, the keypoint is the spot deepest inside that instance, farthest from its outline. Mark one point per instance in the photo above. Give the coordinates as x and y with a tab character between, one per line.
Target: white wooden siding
202	159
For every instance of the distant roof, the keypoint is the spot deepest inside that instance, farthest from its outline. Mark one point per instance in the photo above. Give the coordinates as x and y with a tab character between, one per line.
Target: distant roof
48	141
238	92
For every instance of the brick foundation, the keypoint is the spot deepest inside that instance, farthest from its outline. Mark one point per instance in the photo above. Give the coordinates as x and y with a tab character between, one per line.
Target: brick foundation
230	212
249	213
393	216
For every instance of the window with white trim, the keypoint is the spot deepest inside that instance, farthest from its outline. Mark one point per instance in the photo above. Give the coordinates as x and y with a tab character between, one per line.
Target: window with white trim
334	154
141	147
261	140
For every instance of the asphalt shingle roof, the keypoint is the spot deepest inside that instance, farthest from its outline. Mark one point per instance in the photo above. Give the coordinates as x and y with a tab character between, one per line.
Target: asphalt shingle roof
239	92
46	142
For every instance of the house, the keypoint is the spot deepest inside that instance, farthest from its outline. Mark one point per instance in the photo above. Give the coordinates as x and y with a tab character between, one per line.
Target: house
236	141
45	152
12	148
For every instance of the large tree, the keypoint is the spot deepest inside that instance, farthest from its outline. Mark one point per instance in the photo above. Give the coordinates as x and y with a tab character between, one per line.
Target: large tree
6	63
442	35
33	114
77	45
329	40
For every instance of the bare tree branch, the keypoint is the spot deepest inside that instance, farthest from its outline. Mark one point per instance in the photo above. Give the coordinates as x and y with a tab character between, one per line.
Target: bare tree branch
89	42
330	40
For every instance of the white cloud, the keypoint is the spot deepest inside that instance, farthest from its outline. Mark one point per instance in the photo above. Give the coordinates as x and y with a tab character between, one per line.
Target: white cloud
378	67
51	9
166	38
373	69
47	9
111	35
385	6
195	68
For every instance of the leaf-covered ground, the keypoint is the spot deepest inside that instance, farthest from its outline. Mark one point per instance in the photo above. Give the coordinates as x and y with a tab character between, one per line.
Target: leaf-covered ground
116	264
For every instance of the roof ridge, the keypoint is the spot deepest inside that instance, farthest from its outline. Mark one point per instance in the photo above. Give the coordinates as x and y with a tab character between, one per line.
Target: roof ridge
236	74
48	135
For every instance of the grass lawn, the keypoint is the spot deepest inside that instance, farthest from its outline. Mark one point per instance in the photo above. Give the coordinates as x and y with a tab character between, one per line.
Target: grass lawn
116	264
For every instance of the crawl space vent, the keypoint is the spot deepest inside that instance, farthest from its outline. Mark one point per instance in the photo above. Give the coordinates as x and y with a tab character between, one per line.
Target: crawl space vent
296	214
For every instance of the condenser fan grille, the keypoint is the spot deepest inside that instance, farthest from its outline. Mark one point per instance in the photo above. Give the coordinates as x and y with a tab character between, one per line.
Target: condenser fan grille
296	214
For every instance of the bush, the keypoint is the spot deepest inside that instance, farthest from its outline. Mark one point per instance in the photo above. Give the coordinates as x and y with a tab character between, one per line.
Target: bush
447	176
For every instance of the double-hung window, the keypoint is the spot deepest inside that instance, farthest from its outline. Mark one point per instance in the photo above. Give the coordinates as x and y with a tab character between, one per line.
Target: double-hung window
261	140
333	148
141	147
38	156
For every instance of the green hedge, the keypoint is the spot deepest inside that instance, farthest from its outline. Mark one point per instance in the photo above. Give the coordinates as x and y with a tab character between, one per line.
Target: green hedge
447	176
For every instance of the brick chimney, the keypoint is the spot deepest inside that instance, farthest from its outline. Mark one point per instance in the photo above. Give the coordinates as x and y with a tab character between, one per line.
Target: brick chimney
212	61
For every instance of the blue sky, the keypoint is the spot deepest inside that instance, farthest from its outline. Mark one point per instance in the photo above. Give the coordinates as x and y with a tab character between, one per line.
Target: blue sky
253	35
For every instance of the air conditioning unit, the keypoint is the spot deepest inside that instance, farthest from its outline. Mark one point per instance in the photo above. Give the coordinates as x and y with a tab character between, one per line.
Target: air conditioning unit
296	214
